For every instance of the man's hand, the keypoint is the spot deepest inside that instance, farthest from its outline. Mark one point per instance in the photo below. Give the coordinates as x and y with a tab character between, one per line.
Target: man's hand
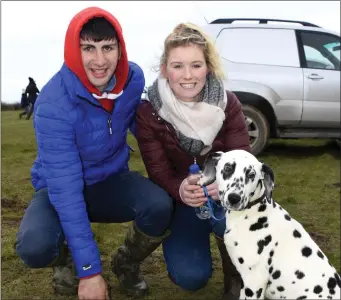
94	288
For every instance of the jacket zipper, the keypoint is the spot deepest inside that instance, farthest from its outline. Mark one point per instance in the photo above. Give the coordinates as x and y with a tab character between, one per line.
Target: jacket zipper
109	125
101	107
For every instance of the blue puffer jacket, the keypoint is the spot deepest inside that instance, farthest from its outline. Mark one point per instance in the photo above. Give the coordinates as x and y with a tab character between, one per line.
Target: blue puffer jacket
81	143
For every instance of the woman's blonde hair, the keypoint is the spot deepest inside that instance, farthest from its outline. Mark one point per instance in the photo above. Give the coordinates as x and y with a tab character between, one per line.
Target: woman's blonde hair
185	34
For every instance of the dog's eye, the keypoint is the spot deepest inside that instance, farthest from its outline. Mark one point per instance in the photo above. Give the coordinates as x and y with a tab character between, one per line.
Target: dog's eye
228	168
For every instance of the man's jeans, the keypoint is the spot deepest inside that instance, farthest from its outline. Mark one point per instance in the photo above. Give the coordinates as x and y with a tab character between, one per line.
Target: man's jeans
122	198
119	198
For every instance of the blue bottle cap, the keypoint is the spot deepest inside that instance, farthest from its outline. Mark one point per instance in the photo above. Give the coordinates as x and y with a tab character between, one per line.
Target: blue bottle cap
194	169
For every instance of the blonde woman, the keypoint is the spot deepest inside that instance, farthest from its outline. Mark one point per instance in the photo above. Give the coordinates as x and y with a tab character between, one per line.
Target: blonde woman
188	115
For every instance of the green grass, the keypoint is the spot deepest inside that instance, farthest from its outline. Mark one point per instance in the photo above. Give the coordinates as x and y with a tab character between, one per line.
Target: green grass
307	185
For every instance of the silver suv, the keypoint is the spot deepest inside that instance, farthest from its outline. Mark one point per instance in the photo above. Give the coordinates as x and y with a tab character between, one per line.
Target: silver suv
285	73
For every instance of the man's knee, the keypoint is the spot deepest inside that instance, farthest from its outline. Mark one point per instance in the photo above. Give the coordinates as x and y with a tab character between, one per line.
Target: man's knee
37	248
191	279
155	212
159	203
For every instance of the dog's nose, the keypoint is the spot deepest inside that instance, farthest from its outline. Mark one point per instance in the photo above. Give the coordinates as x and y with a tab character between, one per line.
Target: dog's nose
234	198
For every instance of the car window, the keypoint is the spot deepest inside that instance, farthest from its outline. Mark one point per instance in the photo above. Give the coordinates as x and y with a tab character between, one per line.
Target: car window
321	51
262	46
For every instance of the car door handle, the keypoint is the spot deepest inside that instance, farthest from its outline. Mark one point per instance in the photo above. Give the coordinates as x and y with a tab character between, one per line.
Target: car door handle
314	76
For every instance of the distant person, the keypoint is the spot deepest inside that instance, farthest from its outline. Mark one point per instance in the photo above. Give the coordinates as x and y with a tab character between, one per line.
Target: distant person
24	104
81	172
32	92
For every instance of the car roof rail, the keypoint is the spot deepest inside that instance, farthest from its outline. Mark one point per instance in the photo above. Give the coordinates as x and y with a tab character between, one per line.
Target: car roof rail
261	21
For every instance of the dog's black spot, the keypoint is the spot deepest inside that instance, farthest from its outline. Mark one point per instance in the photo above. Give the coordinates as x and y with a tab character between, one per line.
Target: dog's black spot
293	282
306	290
287	217
317	289
273	292
241	283
280	288
329	297
250	268
259	225
271	253
320	254
236	243
270	270
276	244
259	293
248	292
331	283
338	280
269	283
276	274
301	297
266	225
269	261
241	260
297	234
299	274
263	243
228	170
262	207
280	208
246	217
233	184
306	251
332	291
241	178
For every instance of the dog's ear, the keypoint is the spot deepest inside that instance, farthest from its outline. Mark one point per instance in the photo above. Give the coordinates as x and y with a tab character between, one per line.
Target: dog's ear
269	181
209	171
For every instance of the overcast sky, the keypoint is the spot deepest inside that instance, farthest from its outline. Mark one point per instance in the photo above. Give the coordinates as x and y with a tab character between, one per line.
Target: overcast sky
32	32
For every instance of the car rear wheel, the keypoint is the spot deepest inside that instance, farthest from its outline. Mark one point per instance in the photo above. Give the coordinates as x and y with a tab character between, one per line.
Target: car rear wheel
258	128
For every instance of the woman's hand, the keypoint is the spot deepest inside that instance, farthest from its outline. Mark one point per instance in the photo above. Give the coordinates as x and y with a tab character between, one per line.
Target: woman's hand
193	195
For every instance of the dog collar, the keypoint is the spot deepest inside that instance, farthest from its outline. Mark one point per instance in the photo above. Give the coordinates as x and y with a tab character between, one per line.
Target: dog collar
257	201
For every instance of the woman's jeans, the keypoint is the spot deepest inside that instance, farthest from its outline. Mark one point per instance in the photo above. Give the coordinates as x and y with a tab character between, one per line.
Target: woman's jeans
121	198
187	249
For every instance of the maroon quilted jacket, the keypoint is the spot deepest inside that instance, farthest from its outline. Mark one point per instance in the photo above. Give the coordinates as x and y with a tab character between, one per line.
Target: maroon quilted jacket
166	162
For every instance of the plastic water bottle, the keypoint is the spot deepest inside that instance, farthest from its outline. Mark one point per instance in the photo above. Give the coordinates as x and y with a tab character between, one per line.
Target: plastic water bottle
202	212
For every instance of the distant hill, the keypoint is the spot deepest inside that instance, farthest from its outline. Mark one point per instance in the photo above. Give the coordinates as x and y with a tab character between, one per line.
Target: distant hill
10	106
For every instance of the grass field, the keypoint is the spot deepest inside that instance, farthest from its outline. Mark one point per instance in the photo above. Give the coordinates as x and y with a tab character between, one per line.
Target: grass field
307	185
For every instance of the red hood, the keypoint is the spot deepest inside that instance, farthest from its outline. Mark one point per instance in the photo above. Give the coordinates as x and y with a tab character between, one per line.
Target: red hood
72	53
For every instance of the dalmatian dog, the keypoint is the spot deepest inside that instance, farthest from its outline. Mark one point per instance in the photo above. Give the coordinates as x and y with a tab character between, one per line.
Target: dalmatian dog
275	256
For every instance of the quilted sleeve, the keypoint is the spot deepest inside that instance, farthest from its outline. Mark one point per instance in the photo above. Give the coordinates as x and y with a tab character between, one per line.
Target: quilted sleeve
157	165
62	169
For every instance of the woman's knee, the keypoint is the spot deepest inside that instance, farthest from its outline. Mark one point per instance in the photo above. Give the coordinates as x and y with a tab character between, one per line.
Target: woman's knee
37	248
191	279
